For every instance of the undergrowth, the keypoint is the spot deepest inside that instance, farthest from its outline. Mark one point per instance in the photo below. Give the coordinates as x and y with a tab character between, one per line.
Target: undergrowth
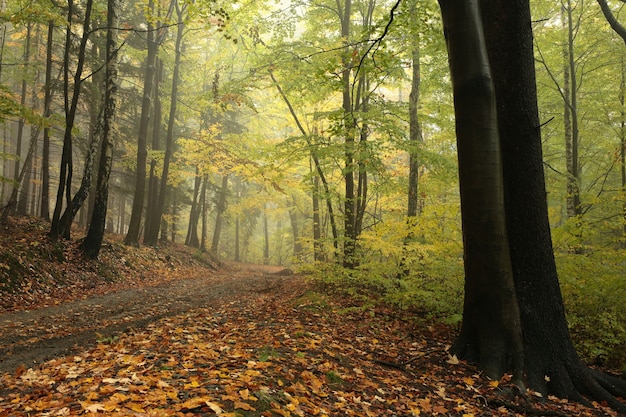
593	287
594	290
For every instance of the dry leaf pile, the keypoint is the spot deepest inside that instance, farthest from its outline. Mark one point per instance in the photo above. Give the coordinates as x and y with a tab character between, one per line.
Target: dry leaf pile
271	354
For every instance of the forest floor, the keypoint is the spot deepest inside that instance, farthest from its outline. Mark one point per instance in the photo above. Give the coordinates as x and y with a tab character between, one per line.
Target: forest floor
170	332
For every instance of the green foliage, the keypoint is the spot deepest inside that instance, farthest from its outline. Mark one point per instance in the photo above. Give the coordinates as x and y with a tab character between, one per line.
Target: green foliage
594	293
424	280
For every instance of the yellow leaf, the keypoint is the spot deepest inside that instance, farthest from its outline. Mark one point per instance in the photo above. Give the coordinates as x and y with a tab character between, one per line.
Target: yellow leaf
216	408
453	360
92	407
243	406
468	380
137	408
493	383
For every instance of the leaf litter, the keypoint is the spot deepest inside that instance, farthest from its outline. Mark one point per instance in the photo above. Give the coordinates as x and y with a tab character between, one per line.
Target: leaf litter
269	354
171	336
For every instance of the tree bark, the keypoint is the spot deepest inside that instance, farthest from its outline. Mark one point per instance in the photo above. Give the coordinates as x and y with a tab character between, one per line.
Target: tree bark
95	234
194	213
219	216
491	332
551	363
169	139
134	225
349	169
153	181
70	105
91	158
45	162
621	31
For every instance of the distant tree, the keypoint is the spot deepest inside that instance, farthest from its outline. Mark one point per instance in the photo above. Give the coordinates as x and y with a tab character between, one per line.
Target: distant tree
154	38
219	215
47	101
153	221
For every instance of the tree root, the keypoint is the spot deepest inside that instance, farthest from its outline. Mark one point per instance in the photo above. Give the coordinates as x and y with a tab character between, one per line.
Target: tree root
527	411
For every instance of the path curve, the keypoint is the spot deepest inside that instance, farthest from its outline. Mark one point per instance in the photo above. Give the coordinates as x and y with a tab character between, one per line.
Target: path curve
28	338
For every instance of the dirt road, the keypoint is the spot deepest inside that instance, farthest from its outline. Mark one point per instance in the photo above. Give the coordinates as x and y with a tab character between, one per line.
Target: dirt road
31	337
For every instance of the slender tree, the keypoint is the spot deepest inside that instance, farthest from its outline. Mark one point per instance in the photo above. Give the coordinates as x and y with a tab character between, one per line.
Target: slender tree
70	107
95	234
153	40
156	215
47	101
219	215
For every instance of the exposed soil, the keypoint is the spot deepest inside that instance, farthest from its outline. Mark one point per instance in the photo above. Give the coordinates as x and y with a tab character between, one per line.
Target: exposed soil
31	337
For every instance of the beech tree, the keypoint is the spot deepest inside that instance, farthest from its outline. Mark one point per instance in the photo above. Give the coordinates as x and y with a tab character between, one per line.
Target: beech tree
548	359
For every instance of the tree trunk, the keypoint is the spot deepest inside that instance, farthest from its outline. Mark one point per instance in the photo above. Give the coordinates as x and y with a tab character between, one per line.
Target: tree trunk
570	97
91	158
490	334
21	122
219	217
169	140
266	240
45	162
95	234
621	31
551	363
153	182
349	234
204	208
194	213
293	219
318	253
70	105
237	257
134	225
415	141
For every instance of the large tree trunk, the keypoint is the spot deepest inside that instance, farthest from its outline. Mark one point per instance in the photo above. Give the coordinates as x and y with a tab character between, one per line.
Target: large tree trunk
551	363
95	234
490	334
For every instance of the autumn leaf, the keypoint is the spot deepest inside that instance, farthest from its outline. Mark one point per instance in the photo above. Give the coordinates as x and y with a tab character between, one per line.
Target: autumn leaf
243	406
92	407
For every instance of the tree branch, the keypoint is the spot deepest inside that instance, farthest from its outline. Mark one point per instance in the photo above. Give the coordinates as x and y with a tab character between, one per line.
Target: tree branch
615	25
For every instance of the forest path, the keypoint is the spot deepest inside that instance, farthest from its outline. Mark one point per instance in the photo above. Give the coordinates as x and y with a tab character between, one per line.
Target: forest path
34	336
